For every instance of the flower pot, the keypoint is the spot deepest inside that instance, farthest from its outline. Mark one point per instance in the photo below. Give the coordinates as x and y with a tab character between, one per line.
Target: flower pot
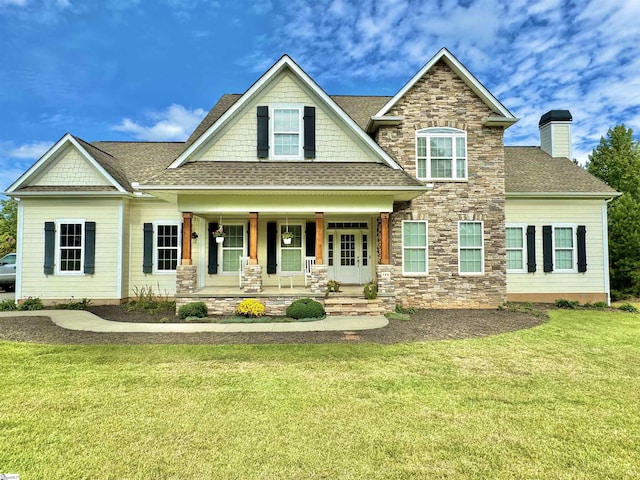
219	239
287	241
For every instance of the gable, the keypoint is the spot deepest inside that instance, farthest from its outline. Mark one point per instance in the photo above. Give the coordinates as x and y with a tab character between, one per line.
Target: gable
334	142
70	168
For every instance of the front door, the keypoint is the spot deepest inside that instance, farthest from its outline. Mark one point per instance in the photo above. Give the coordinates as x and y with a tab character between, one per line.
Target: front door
349	259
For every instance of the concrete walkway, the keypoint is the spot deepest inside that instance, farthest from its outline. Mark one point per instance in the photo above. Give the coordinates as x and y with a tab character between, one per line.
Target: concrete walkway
88	322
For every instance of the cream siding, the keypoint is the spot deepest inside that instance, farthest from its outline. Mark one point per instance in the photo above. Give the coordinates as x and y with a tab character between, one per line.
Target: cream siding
555	139
102	284
238	141
126	248
71	168
576	212
141	212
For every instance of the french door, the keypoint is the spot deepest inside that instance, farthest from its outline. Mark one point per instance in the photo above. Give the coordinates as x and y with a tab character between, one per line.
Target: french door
349	256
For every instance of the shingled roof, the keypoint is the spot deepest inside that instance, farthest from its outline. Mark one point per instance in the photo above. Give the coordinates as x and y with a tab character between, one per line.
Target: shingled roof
531	170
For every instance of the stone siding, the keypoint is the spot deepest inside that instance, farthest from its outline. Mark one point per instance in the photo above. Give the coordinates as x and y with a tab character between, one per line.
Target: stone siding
252	278
441	99
186	279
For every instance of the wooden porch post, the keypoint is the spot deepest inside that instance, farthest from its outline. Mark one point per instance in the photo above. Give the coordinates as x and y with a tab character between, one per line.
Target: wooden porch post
319	237
384	239
253	238
186	238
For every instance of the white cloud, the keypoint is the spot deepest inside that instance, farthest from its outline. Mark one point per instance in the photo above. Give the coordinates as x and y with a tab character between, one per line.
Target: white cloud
30	151
173	124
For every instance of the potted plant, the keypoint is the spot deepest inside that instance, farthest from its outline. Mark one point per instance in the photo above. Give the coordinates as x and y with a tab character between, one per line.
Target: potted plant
287	237
219	235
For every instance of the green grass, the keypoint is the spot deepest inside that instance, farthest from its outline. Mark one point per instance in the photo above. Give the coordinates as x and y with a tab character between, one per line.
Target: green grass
559	401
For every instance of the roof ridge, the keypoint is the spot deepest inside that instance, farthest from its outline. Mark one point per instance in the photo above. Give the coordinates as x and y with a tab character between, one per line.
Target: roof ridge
93	146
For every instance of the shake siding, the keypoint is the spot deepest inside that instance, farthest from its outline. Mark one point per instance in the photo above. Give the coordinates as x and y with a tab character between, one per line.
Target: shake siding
238	142
149	211
541	212
102	284
71	169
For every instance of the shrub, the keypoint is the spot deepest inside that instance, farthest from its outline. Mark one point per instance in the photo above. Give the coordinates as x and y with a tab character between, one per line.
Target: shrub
596	305
370	291
146	301
31	303
569	304
408	310
250	308
74	305
617	295
332	286
627	307
193	309
305	308
7	305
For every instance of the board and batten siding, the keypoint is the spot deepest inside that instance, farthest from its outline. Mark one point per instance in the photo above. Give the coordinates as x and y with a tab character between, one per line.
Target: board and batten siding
238	142
590	285
141	212
103	284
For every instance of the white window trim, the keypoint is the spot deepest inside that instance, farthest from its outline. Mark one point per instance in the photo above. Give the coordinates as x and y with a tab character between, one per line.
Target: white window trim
303	249
522	226
481	272
221	247
452	133
156	224
60	222
272	131
574	250
425	248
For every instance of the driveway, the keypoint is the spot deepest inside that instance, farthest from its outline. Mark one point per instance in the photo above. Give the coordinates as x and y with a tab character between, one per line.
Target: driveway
5	295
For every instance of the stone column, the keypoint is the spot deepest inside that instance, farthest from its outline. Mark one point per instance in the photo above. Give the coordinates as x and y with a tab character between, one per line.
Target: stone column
186	279
186	238
252	278
384	278
319	278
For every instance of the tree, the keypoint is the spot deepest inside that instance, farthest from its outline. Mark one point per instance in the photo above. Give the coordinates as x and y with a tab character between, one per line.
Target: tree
8	226
616	161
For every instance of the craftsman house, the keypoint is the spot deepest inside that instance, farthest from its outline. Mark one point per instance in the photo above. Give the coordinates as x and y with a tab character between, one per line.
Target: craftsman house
284	188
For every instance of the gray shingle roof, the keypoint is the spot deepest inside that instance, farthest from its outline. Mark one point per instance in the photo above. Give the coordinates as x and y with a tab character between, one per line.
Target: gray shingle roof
289	174
530	170
360	108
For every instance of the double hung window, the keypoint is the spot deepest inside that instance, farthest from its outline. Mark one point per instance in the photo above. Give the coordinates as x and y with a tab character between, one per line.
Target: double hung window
232	248
470	248
414	247
441	154
167	246
291	254
287	131
516	244
564	248
70	246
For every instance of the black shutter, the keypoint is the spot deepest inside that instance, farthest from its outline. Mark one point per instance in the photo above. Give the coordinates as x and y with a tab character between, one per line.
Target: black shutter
263	132
582	248
272	247
49	246
531	248
309	132
89	247
212	266
547	247
147	259
311	239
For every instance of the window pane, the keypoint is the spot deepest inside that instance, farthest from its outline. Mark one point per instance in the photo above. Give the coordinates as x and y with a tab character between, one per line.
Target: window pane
415	260
460	168
441	147
470	261
461	147
441	168
231	259
415	234
286	120
470	234
422	147
563	237
564	259
167	258
234	238
422	168
296	230
514	237
514	260
291	260
286	144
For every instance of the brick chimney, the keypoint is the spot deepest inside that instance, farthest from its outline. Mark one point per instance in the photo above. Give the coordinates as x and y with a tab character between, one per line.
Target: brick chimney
555	133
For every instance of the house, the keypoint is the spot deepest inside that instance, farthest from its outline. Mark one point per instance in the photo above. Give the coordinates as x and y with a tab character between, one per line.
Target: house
416	192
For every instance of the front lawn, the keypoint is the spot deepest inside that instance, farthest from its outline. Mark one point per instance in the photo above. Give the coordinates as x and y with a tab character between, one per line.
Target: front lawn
559	401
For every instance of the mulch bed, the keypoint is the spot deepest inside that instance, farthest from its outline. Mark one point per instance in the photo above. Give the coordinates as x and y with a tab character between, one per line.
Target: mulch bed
424	326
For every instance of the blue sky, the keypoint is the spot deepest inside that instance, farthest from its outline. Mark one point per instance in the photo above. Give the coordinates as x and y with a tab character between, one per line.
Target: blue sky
151	69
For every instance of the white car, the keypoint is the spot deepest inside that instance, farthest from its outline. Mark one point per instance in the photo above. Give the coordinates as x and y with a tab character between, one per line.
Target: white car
8	272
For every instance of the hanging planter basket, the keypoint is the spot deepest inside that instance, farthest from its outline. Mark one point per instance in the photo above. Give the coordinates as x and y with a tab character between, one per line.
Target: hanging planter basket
219	239
286	241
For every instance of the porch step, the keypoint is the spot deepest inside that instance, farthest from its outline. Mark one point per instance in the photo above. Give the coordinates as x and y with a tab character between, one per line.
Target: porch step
345	305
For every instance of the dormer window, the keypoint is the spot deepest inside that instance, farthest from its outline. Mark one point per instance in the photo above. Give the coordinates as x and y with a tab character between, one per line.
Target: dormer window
287	131
441	154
